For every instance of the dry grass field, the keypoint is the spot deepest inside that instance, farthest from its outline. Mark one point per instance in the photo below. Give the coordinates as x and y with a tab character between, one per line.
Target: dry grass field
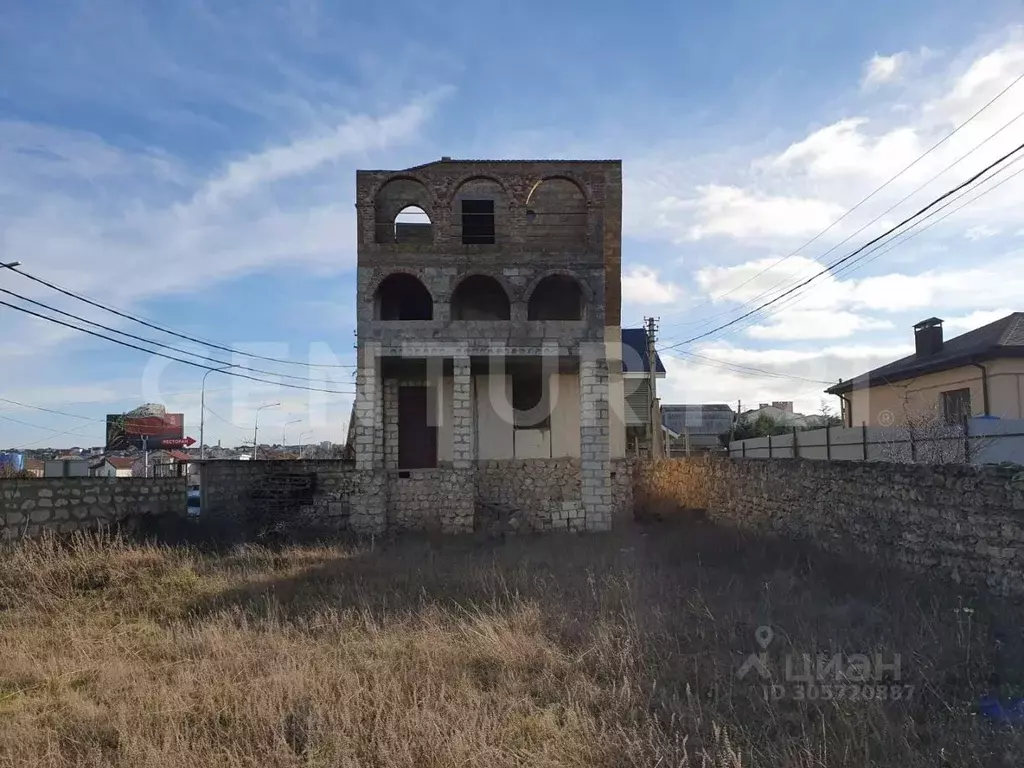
617	650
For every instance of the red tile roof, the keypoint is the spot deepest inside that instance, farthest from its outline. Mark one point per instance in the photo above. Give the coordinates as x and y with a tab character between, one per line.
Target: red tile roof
179	455
121	462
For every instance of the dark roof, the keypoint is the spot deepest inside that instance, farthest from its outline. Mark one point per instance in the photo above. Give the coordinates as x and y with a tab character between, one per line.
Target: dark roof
634	352
1002	338
510	161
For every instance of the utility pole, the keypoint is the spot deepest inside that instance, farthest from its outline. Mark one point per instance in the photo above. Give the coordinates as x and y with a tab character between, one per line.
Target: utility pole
256	428
284	433
202	411
655	414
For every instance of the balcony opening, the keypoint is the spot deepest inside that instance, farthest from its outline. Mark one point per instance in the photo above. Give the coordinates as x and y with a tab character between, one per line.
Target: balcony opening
403	297
557	216
530	401
480	297
556	297
402	201
413	225
478	222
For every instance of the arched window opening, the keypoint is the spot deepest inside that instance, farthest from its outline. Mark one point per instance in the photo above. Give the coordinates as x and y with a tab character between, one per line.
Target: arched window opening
403	297
556	215
480	206
556	297
412	225
480	297
398	197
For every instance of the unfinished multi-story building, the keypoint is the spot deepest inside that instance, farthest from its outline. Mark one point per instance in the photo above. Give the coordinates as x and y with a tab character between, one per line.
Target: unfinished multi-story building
489	345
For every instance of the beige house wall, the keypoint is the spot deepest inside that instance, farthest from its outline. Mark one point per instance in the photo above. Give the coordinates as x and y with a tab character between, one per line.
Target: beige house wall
616	392
889	405
495	438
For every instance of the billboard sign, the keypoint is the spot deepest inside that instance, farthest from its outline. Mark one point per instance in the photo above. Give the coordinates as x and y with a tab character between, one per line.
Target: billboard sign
125	431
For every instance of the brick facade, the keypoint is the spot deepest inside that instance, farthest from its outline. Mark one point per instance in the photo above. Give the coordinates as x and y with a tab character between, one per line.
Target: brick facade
552	220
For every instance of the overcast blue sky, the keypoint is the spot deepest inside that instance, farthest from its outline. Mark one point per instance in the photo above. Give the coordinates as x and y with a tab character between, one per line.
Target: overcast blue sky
196	166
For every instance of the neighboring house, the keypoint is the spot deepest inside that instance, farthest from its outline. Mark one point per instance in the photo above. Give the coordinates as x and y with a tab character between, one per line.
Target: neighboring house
782	414
699	425
636	386
979	373
34	467
168	464
113	466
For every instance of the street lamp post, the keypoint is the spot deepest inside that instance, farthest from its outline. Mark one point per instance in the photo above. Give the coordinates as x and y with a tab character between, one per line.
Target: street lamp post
256	428
202	410
284	432
302	445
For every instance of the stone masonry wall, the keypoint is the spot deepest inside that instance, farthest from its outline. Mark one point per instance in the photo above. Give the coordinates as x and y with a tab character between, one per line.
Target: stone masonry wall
431	499
329	496
954	521
28	507
258	497
519	495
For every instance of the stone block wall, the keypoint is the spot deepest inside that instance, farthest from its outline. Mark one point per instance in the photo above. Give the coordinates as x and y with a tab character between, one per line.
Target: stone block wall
28	507
431	499
304	495
595	436
958	522
529	495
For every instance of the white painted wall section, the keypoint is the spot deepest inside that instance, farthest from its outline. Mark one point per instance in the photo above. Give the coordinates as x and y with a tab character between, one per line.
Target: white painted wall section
565	414
495	438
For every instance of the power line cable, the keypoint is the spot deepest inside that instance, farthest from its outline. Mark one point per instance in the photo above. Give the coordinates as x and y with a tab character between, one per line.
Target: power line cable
746	369
935	146
51	410
229	423
51	437
903	237
171	357
862	248
150	341
162	329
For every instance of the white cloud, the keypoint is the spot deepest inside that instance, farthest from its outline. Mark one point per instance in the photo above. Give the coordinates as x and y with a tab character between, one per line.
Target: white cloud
845	149
974	320
981	232
300	157
803	187
884	69
795	324
994	283
235	221
706	380
731	211
644	285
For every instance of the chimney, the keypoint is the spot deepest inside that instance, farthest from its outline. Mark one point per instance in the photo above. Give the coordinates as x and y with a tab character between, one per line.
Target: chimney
928	337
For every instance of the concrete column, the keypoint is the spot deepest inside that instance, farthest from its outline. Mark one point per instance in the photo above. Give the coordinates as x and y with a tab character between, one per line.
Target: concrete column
595	456
463	437
369	413
390	423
